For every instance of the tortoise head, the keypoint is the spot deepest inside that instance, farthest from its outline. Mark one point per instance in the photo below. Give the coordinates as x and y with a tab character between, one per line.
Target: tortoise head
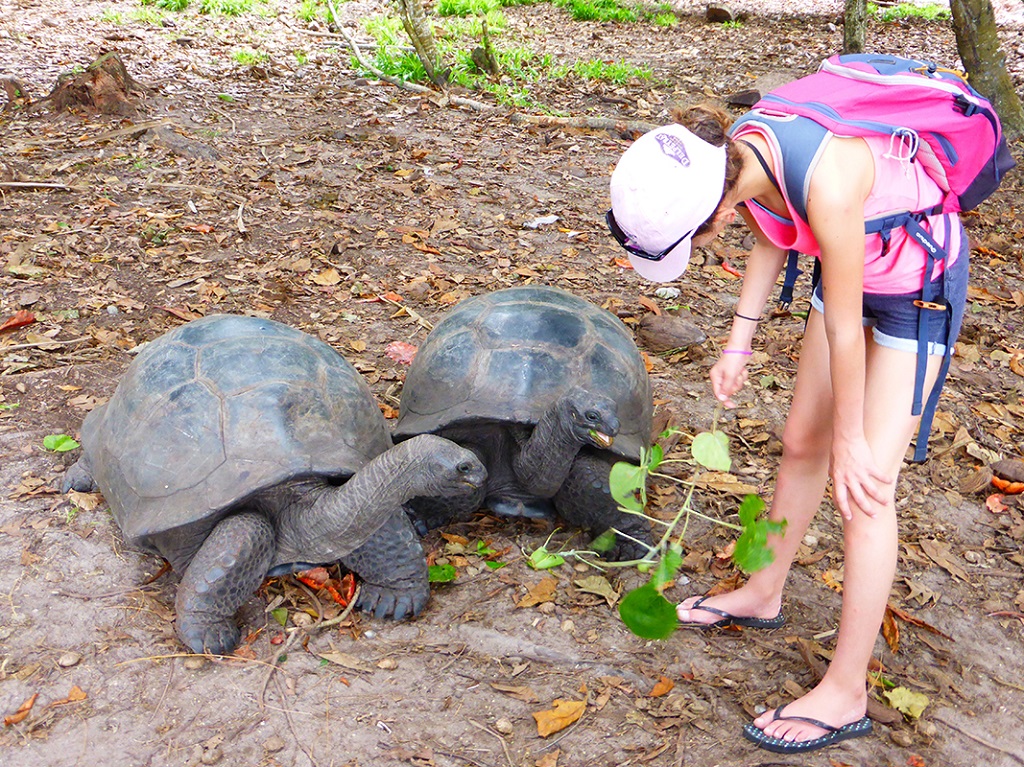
449	470
592	418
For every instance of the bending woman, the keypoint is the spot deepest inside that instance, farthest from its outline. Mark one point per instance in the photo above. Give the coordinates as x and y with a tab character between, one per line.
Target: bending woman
676	188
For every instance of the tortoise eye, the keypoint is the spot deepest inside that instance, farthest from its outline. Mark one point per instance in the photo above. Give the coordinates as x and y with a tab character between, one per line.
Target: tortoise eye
593	415
465	468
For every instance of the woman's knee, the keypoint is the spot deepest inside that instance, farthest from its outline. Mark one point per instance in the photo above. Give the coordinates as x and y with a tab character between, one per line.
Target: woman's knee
806	440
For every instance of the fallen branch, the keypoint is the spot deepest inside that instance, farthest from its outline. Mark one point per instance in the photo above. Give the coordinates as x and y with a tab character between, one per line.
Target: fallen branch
34	185
130	130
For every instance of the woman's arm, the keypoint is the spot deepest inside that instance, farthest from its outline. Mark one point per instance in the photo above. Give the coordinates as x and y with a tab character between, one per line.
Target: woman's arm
763	267
835	212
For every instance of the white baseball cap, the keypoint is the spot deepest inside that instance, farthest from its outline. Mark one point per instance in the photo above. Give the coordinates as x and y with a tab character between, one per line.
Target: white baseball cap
664	186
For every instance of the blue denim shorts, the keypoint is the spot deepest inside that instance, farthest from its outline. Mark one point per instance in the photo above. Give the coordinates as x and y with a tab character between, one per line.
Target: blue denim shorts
893	318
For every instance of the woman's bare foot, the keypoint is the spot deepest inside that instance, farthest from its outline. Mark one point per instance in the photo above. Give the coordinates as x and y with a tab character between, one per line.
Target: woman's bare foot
742	603
824	704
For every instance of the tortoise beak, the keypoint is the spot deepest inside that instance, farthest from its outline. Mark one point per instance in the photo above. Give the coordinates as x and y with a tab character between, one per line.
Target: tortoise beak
601	439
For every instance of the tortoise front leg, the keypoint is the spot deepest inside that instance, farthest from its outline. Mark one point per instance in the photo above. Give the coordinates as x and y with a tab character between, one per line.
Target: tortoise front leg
392	569
224	573
585	500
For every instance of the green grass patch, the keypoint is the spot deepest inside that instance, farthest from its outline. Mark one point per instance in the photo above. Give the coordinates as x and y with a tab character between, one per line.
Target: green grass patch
225	7
930	12
147	15
471	28
247	57
614	72
167	5
465	7
308	10
600	10
112	17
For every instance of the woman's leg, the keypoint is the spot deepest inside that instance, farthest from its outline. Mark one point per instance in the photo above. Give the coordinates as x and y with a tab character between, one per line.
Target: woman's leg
870	550
799	488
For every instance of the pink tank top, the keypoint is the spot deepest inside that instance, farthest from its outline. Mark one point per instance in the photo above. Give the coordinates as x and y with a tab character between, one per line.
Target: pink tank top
898	186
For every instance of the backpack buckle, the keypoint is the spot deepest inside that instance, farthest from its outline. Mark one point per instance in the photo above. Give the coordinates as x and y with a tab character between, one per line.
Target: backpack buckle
929	305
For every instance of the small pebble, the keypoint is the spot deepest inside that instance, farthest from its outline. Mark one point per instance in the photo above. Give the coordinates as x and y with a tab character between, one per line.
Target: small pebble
69	659
111	309
387	664
547	608
927	729
504	726
273	744
901	738
194	662
301	619
212	756
810	541
568	626
974	557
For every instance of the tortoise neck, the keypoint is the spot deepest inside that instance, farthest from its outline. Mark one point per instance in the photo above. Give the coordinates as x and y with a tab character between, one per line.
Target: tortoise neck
544	459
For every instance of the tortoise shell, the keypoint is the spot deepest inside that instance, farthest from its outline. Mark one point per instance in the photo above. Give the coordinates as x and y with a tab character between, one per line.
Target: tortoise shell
220	409
507	356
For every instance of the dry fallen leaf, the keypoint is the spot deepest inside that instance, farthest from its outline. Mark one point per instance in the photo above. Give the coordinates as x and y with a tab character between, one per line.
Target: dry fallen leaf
564	713
400	351
346	660
327	277
891	631
519	692
25	707
663	687
540	592
76	694
549	759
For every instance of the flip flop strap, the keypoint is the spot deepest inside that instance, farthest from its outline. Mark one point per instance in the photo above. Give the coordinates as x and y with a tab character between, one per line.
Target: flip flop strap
698	606
777	716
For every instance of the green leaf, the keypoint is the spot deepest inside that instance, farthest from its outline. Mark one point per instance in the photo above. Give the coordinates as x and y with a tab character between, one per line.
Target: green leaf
647	613
628	481
542	559
910	703
750	508
225	97
711	450
604	542
495	565
483	550
657	454
280	615
59	443
441	573
668	566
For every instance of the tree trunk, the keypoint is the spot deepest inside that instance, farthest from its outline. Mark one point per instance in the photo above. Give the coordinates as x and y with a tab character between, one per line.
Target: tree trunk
977	42
855	22
421	32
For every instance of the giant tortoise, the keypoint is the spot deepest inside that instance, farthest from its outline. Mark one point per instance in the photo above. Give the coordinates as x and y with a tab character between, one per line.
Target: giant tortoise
549	391
238	447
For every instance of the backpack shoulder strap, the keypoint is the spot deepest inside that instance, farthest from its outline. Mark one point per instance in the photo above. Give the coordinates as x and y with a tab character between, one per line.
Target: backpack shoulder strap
799	141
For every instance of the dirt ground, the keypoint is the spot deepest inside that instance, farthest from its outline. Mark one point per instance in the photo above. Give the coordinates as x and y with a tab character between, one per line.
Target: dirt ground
304	193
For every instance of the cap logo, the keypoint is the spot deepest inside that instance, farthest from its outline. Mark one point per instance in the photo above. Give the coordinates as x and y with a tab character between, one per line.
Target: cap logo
673	147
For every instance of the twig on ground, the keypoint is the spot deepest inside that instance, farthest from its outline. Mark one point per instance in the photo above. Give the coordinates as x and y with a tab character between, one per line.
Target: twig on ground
35	185
489	731
978	739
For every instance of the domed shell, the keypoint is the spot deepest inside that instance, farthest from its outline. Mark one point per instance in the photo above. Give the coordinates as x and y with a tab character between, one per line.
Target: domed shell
219	409
507	356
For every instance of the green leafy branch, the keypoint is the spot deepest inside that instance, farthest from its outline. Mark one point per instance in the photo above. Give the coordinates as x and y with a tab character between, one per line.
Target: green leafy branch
645	610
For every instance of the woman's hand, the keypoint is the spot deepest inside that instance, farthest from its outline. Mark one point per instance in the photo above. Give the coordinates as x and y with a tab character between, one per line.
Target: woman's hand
857	480
728	376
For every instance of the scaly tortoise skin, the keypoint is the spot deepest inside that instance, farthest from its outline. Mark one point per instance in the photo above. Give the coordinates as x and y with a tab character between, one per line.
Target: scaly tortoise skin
238	447
549	391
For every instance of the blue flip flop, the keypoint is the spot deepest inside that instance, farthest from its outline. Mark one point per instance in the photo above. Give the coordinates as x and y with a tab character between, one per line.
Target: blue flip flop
728	619
856	729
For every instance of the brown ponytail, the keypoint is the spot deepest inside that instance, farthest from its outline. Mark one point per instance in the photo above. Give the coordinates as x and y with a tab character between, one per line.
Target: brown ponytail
711	123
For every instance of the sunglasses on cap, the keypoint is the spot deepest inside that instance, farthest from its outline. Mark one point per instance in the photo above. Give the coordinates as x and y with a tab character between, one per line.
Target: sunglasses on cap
623	239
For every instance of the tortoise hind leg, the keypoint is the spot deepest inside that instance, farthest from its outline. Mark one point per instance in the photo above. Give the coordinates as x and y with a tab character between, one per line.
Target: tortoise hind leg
585	500
392	569
224	573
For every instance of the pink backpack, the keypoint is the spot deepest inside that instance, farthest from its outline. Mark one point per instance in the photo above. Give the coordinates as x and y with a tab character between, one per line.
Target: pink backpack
931	115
